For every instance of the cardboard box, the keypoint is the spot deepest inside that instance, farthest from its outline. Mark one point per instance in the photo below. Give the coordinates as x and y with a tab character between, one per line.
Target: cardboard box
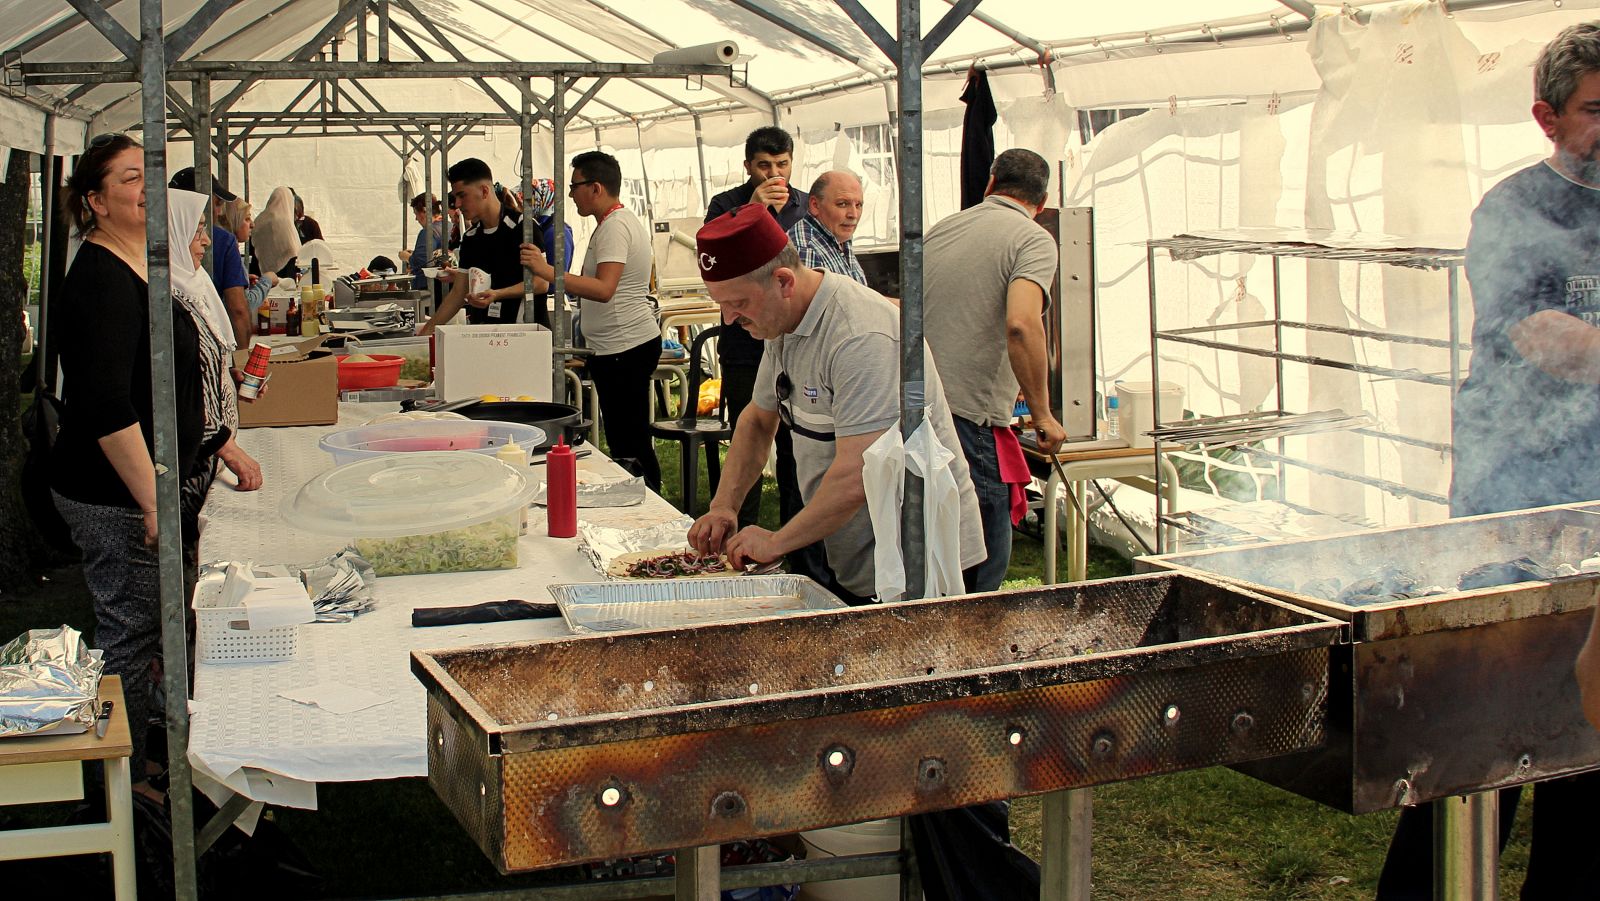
507	361
302	387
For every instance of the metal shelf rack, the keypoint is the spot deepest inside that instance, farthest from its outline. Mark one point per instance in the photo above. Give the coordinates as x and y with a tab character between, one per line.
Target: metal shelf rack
1447	254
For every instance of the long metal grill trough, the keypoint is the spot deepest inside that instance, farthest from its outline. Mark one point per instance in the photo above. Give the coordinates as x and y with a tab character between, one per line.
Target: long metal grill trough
1440	695
580	749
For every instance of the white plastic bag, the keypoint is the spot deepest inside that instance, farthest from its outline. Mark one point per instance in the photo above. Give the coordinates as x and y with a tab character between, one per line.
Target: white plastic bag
883	476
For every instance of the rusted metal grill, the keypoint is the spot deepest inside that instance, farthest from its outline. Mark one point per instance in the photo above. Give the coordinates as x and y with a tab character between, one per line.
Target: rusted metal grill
1442	695
591	748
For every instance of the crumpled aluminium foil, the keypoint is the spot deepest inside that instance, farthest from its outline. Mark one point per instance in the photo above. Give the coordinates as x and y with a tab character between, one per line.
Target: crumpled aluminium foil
623	492
602	544
47	676
340	586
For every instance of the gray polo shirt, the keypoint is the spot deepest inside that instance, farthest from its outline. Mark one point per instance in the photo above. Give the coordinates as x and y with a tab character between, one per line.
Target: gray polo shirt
969	260
843	362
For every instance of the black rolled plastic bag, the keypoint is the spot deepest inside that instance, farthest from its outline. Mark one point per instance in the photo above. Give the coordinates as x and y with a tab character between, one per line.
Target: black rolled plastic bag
966	855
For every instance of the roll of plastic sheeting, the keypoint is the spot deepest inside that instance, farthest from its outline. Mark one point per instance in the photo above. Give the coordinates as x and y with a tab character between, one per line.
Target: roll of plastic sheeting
716	53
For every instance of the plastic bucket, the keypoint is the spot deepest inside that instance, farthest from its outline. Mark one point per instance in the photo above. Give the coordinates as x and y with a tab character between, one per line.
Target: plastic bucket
841	841
1136	409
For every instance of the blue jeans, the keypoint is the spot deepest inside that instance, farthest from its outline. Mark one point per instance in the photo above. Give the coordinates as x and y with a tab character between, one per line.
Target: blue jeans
994	505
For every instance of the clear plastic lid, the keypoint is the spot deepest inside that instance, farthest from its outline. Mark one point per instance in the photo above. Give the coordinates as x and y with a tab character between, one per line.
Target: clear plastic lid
408	494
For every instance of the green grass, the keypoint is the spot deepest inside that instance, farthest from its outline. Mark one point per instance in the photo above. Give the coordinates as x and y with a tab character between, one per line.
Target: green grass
1204	834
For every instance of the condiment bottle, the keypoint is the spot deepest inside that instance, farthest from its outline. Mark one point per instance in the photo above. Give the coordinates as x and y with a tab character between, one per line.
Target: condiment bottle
264	318
311	316
561	490
292	316
255	373
512	454
308	311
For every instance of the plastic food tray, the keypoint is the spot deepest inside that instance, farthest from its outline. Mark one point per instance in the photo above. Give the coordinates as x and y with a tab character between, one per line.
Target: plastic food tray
674	603
468	435
223	638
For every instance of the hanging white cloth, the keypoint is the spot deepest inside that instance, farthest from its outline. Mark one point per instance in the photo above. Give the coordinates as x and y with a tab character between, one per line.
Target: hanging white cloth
884	464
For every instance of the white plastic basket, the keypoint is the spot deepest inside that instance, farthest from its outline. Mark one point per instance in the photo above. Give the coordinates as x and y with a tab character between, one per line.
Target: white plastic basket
223	636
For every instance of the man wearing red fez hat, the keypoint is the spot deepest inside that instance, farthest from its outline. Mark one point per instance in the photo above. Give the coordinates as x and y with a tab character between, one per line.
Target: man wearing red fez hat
830	372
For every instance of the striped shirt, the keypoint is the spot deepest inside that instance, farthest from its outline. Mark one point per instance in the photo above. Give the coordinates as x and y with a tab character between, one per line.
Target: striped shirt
819	249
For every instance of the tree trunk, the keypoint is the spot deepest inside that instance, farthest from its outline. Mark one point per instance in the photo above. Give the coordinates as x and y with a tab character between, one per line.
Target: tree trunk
18	543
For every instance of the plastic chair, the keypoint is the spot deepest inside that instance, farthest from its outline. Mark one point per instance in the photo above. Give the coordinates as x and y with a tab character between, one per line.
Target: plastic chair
692	431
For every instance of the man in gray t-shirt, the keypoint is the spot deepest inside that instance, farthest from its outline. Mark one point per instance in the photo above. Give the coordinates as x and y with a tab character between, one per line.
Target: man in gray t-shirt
831	372
987	276
619	321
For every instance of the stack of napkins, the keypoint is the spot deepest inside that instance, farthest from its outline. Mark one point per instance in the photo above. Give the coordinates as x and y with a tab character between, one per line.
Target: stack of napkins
269	602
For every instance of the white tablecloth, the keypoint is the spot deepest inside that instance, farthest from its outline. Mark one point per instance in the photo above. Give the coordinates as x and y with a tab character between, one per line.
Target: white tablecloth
272	749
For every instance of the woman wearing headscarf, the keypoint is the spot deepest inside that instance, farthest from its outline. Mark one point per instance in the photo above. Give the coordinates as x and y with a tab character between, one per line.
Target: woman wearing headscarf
194	290
542	203
237	218
102	472
275	243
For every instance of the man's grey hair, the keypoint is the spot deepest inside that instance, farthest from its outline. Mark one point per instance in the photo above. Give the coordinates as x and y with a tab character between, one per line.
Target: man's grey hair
1574	53
1022	174
787	258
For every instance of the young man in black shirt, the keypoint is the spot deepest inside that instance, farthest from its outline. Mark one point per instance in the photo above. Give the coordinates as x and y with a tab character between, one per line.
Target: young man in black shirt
492	243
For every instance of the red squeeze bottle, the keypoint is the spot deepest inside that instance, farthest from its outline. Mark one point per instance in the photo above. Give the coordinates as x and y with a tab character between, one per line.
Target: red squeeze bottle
561	490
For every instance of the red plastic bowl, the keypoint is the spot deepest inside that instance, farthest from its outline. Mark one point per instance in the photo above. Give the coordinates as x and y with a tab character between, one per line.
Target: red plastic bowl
382	372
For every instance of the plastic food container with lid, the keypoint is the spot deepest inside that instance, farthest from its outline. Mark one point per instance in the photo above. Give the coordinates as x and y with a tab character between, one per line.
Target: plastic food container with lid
476	436
426	512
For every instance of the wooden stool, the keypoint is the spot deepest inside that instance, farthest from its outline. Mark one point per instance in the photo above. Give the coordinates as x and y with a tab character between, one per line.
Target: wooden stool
48	768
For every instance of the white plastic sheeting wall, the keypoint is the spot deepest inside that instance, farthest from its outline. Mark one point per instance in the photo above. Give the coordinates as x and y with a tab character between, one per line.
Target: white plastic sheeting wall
1416	116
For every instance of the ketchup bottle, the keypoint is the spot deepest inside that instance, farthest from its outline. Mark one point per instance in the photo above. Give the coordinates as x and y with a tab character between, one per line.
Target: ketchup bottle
561	490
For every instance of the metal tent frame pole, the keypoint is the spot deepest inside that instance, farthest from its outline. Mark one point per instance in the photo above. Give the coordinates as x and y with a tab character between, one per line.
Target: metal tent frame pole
174	633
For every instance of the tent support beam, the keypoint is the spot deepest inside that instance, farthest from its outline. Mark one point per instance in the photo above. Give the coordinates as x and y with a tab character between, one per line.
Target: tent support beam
50	184
560	316
700	155
874	30
907	54
538	102
245	135
73	73
450	48
179	42
808	35
202	158
574	51
174	637
529	226
59	27
1008	31
383	30
109	28
1303	7
946	26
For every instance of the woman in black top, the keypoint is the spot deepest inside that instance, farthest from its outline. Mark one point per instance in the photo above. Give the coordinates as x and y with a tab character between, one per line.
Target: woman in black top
101	465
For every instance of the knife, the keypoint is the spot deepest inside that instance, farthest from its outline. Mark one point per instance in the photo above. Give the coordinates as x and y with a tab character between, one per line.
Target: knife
103	720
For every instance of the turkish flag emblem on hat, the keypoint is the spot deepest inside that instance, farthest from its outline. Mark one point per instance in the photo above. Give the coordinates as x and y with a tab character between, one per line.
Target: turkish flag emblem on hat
739	242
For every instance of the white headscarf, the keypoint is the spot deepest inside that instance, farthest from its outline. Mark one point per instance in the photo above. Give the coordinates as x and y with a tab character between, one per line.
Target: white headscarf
276	240
185	210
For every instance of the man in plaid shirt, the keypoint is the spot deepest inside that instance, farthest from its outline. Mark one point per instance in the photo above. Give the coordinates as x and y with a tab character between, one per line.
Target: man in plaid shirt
823	236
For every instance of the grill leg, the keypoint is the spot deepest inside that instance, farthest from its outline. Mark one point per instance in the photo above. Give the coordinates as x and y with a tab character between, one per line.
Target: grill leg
1466	835
699	874
1067	830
